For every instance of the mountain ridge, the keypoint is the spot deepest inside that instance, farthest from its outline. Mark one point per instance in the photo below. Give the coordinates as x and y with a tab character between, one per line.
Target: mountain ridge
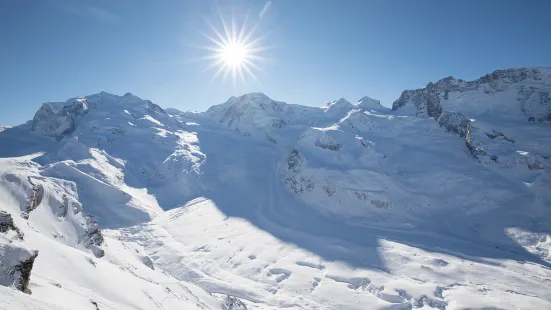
261	204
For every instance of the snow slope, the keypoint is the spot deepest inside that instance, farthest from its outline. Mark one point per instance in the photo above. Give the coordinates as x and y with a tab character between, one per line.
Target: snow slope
441	202
68	272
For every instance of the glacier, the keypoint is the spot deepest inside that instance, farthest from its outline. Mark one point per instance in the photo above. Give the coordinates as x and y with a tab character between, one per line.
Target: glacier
441	201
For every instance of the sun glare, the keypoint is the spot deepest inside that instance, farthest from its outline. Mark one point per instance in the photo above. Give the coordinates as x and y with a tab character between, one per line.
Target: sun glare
234	54
235	51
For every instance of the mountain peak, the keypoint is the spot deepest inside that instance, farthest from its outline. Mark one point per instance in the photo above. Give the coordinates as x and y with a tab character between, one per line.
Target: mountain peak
249	98
369	103
338	105
528	90
60	119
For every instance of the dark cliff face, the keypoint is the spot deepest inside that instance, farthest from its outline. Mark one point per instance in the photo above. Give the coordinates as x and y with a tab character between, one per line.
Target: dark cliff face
16	262
532	97
427	100
22	273
94	238
233	303
6	224
454	122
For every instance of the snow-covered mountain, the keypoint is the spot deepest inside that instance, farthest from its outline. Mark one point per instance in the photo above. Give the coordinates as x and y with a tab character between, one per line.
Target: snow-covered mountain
442	202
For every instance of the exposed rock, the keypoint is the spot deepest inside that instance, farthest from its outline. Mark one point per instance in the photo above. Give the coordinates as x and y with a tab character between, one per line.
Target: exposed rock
532	161
95	304
329	188
279	123
475	151
35	198
62	212
233	303
380	204
16	264
271	139
22	272
296	181
328	146
499	136
6	225
300	183
93	237
294	160
535	103
148	262
427	100
91	261
455	122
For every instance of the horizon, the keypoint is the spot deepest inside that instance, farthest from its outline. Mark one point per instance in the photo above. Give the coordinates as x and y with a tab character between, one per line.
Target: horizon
353	101
306	53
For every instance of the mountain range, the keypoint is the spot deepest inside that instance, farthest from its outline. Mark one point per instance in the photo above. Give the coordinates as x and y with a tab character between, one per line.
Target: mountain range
442	201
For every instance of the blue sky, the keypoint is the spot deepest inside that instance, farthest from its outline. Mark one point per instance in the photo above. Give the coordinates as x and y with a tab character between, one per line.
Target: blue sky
51	50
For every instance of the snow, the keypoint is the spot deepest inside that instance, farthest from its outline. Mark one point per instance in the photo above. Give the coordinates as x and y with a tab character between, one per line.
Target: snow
67	275
344	206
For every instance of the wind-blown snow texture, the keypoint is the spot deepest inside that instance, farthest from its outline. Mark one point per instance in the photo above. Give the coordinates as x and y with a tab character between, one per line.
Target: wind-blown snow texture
442	202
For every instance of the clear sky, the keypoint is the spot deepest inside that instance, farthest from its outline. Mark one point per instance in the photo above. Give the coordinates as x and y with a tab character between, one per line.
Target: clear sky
317	51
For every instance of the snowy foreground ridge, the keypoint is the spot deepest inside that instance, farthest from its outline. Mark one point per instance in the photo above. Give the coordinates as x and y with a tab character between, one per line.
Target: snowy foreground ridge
442	202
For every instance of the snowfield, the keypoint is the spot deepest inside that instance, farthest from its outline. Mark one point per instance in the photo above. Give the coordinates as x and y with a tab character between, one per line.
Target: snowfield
441	202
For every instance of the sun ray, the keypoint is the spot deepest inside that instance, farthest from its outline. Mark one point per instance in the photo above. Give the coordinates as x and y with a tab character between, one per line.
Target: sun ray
226	73
218	34
243	27
234	75
259	49
225	26
233	29
241	75
249	35
220	69
213	40
251	74
252	64
218	63
253	42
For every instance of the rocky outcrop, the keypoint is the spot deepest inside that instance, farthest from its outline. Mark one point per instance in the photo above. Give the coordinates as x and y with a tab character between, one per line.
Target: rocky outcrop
476	151
148	262
233	303
428	100
22	273
16	264
455	122
295	180
35	198
7	225
93	238
535	103
64	208
531	161
328	146
16	261
498	136
294	161
533	100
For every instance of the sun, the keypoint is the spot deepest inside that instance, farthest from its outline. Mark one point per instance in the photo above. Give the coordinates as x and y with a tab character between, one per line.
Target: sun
234	54
234	51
